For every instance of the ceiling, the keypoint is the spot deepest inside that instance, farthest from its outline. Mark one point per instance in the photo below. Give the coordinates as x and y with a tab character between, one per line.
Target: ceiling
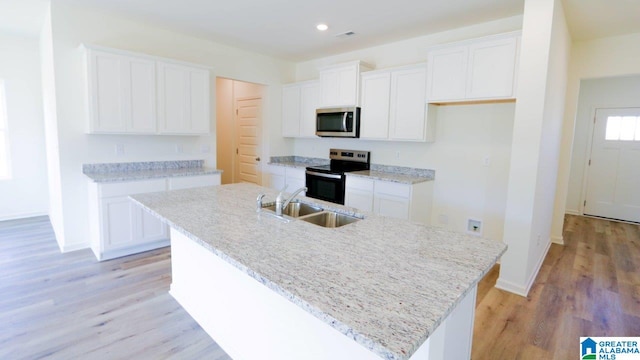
286	28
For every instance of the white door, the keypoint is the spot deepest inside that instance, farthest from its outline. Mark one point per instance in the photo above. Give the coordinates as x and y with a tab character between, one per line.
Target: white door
248	120
613	180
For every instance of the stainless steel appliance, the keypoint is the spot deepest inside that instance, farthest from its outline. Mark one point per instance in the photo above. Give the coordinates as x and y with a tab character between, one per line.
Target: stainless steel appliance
327	182
338	122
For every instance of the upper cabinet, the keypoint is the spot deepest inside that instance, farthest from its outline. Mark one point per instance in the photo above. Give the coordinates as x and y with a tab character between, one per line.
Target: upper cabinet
394	107
138	94
299	103
476	70
122	93
183	99
340	84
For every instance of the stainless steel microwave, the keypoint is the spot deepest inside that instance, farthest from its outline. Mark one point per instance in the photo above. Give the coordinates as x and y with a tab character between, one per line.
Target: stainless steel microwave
338	122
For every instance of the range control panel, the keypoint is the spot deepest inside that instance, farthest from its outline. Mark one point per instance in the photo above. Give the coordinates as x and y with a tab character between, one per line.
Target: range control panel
349	155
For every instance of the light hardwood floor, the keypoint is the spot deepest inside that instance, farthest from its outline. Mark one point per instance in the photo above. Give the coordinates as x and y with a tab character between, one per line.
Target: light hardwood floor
589	287
68	306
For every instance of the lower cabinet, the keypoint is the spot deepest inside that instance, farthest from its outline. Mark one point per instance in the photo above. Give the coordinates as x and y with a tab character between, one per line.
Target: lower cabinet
386	198
293	178
120	227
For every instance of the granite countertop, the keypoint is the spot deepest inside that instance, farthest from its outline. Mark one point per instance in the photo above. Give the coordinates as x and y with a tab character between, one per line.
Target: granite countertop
399	174
390	176
386	283
133	171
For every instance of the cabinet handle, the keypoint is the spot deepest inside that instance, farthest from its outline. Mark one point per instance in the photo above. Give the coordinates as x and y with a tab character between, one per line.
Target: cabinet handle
257	159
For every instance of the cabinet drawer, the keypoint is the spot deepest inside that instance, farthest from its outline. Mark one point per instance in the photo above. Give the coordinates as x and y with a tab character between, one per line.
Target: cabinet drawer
393	189
359	183
296	174
132	187
187	182
276	170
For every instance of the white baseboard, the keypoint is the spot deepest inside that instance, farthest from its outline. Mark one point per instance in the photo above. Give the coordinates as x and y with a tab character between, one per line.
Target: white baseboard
557	240
572	212
520	289
64	248
23	215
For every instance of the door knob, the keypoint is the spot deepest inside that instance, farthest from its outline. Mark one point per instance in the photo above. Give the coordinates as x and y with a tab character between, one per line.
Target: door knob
257	159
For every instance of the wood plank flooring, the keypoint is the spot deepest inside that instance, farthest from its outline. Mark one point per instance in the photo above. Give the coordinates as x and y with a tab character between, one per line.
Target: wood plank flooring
589	287
67	306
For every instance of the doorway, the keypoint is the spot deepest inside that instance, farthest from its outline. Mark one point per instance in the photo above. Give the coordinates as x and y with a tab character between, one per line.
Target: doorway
613	169
239	130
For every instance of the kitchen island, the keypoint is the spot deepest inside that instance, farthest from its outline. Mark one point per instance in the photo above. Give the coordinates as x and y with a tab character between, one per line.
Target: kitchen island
266	289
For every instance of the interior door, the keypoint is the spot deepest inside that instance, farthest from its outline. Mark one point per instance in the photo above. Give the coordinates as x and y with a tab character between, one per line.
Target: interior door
248	121
614	166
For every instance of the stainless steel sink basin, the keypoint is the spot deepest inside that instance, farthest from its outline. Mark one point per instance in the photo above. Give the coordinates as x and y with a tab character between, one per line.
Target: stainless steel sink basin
296	209
330	219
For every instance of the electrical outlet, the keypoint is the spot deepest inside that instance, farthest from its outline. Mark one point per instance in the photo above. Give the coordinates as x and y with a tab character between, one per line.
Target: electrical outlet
443	219
204	148
119	149
397	154
474	226
179	149
486	161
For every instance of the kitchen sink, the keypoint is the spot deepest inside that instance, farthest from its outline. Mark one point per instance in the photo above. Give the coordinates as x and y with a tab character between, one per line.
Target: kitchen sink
330	219
296	209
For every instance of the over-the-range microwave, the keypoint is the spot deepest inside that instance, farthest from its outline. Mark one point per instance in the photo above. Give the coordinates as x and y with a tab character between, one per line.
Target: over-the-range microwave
338	122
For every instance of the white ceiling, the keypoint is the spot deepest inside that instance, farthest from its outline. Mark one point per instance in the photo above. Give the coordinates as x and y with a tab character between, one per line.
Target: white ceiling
286	28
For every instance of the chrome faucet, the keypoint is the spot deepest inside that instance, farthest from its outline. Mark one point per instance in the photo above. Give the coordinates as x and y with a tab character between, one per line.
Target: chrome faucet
259	202
281	203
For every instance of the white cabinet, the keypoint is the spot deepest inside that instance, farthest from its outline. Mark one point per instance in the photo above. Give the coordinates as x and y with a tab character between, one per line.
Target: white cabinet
120	227
340	84
474	70
299	104
398	200
394	106
129	93
121	90
293	178
183	99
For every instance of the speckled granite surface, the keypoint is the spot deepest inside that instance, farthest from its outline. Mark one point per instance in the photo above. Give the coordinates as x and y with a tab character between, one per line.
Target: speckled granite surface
297	161
118	172
386	283
400	174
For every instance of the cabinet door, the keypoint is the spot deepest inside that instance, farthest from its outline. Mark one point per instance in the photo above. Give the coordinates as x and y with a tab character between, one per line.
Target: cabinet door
291	110
183	99
141	96
106	107
359	193
339	86
407	109
117	222
391	206
447	70
492	67
295	179
147	227
375	106
309	102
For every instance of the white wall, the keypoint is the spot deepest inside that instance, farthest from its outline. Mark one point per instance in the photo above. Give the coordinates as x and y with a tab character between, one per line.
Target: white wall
26	193
73	26
606	57
465	134
536	143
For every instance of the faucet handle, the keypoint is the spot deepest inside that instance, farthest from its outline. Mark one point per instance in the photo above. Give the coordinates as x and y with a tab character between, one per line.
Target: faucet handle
259	202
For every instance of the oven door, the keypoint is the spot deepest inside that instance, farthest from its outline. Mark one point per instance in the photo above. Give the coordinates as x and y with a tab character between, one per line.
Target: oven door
328	187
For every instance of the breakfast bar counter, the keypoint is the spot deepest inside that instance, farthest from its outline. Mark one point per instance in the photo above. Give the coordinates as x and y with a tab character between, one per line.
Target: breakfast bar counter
265	288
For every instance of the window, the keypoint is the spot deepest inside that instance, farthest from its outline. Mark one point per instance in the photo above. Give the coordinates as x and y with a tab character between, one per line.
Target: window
5	168
626	128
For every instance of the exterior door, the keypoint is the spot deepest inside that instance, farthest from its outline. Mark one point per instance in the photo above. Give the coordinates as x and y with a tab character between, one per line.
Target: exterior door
248	121
613	178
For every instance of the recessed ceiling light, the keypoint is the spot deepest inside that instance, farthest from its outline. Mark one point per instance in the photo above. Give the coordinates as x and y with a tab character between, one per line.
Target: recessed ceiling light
322	27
